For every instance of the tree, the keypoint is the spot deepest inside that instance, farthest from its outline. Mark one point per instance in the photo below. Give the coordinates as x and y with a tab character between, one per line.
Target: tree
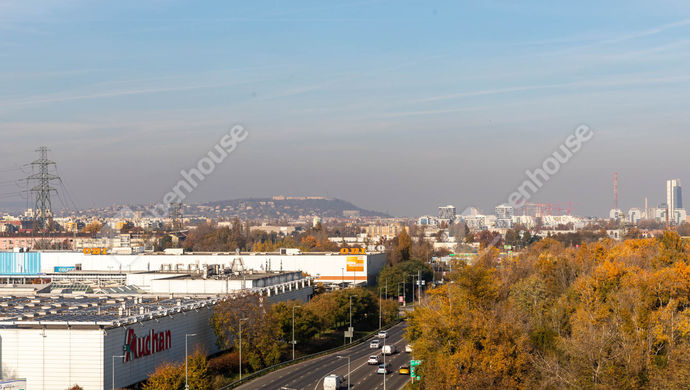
307	323
93	228
261	333
602	316
488	238
512	237
168	376
334	308
403	248
198	371
402	273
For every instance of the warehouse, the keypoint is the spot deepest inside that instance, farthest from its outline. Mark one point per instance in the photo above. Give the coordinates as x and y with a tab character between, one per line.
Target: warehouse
57	342
64	333
324	267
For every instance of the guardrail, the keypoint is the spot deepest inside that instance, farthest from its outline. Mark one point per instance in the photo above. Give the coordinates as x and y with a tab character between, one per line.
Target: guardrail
278	366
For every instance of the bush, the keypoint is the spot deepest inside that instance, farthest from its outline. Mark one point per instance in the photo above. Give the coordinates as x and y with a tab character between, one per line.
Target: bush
226	364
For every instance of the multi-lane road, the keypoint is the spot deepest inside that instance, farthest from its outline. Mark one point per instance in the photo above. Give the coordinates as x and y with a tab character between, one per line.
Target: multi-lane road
309	374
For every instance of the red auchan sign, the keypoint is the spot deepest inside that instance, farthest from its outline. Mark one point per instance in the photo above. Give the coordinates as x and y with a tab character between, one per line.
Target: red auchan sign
139	346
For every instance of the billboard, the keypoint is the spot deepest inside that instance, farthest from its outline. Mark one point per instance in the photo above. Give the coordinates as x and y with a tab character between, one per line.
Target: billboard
355	264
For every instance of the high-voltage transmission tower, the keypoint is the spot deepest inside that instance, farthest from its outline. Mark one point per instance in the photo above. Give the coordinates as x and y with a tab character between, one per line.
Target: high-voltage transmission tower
43	215
176	215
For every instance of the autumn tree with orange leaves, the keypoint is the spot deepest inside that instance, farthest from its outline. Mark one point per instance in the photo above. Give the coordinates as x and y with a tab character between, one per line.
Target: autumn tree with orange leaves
607	315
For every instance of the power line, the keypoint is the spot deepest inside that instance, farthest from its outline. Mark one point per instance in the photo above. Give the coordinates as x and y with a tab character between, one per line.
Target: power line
67	192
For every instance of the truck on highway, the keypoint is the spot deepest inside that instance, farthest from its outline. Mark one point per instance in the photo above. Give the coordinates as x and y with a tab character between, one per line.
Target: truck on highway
389	349
333	382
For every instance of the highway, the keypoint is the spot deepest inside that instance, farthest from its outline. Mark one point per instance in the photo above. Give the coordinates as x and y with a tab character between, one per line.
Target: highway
309	374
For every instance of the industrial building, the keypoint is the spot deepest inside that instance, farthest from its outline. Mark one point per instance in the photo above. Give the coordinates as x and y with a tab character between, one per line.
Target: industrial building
55	342
60	334
71	317
323	267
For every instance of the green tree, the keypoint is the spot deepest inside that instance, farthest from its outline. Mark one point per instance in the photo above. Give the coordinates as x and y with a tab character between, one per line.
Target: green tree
400	276
334	308
261	333
307	324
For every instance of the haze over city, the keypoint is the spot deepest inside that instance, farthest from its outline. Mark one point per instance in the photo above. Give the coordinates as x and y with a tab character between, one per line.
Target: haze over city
396	107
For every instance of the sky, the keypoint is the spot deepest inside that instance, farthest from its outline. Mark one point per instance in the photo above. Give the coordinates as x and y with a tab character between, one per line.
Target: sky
396	106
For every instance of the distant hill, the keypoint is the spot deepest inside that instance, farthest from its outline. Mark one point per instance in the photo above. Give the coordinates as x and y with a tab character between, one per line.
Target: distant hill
277	207
284	207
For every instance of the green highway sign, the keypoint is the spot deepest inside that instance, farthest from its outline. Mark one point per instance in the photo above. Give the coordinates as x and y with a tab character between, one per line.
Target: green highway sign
413	369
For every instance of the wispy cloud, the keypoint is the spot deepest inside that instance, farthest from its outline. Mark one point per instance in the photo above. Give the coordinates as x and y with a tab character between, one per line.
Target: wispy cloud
645	33
642	80
614	40
403	114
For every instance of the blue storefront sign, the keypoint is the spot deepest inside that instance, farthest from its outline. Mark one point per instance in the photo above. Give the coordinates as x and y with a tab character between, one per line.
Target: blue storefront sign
64	269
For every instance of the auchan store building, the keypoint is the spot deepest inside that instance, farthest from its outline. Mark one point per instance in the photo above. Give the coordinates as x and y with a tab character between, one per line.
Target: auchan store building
55	343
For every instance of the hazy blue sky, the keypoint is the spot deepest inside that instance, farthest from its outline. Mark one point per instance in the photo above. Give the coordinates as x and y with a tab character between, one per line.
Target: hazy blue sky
394	105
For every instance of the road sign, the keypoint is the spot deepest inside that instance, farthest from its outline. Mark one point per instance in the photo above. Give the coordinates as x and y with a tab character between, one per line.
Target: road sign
414	364
400	299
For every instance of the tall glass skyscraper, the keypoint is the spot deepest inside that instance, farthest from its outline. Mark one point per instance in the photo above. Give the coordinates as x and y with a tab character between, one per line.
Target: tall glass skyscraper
674	197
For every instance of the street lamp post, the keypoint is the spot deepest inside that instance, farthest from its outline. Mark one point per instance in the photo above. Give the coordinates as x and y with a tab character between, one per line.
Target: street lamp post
380	313
241	319
186	378
293	332
348	368
419	290
113	367
413	276
384	363
351	319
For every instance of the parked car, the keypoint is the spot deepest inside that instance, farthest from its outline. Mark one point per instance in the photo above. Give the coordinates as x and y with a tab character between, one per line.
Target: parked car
408	348
384	368
375	344
382	334
333	382
404	369
373	359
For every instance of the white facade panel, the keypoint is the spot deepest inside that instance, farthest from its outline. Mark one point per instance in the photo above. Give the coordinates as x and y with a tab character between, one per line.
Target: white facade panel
329	268
53	358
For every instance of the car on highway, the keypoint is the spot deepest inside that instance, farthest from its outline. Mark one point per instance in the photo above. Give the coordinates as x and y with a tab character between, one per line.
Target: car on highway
333	382
374	344
389	349
382	334
408	348
384	368
373	359
404	369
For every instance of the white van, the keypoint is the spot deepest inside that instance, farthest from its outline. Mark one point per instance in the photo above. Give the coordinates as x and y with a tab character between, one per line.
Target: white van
389	349
333	382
